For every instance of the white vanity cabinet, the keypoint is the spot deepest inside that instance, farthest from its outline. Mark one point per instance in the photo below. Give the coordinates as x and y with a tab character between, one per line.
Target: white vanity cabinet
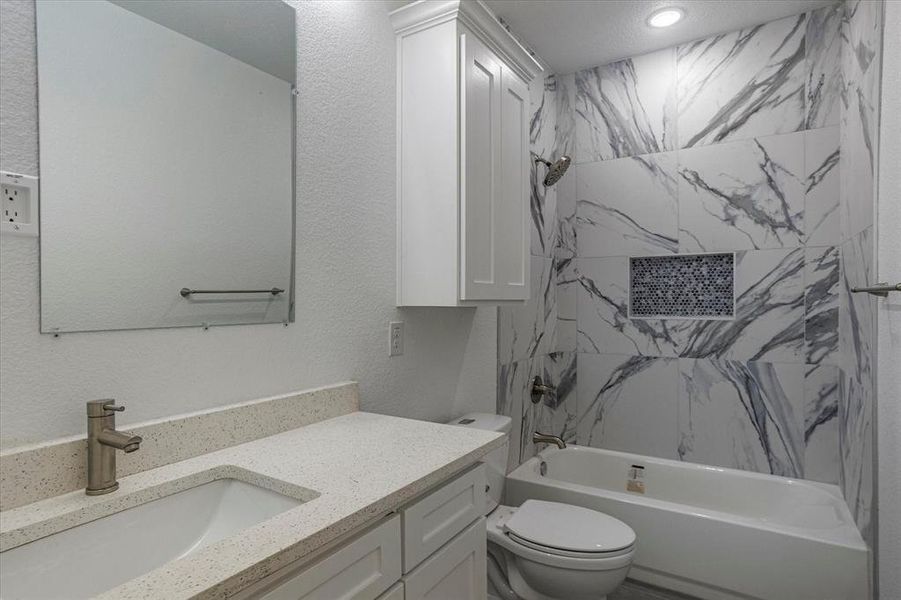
462	156
434	548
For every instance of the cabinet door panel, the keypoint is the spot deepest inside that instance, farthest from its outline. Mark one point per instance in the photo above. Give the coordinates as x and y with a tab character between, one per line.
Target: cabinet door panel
512	213
456	572
494	253
480	131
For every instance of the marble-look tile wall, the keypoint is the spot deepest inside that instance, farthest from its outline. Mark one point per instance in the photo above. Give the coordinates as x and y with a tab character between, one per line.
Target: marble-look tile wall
861	53
727	144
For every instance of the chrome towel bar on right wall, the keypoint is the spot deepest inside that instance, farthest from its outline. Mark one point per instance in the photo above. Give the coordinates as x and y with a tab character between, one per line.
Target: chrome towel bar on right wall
880	289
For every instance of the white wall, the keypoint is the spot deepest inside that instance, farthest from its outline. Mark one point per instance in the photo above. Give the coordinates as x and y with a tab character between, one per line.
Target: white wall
888	315
345	267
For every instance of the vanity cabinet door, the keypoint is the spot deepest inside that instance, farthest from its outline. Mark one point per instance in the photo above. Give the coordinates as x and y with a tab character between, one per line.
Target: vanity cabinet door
360	570
456	572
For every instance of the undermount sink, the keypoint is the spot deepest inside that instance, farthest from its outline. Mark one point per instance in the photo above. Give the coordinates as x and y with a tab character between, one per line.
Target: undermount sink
92	558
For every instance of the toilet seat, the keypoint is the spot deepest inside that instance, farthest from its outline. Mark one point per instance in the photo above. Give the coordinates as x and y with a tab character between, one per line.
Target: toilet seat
567	529
550	555
569	553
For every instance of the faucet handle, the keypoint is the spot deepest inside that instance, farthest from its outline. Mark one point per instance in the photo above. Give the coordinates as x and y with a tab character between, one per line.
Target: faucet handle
101	408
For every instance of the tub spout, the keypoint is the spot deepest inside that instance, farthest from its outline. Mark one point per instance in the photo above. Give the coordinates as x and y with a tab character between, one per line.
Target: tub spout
543	438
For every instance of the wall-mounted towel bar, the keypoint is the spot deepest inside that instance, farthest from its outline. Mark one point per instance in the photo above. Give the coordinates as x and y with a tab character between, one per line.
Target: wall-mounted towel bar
185	292
880	289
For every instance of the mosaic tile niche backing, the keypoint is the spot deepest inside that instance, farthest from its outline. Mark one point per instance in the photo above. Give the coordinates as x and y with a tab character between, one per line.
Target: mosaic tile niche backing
694	286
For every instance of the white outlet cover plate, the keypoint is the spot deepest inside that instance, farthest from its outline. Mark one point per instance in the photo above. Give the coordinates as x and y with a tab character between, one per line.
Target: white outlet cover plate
30	185
395	338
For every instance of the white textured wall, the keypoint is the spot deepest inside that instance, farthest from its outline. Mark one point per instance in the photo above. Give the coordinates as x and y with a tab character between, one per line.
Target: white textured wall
888	315
345	267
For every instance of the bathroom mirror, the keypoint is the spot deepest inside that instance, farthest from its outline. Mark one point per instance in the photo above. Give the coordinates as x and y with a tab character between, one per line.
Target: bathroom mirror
166	132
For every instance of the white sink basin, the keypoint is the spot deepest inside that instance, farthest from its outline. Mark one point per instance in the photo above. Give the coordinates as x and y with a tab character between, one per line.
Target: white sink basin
92	558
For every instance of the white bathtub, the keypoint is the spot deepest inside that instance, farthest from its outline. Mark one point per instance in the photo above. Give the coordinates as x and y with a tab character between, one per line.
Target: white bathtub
711	532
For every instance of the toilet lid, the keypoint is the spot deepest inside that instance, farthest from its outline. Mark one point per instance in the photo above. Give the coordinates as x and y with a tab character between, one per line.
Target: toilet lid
569	527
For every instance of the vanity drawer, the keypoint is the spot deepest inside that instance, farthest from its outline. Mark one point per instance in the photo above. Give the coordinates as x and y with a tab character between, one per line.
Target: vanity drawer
435	519
361	570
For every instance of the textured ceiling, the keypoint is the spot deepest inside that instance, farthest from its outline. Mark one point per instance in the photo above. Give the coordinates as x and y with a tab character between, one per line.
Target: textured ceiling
572	34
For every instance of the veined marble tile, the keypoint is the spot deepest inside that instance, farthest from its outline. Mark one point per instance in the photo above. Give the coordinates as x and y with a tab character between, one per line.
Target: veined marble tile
526	331
567	304
604	326
743	84
566	115
542	142
566	215
861	62
555	413
549	315
743	195
629	403
740	415
626	108
822	186
824	79
627	206
769	313
821	283
857	164
512	389
857	335
822	461
861	48
862	33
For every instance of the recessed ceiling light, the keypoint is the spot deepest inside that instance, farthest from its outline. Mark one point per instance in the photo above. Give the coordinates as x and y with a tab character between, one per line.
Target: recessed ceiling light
665	17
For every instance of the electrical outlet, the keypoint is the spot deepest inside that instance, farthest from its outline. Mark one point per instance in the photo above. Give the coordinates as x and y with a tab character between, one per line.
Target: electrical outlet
395	338
18	204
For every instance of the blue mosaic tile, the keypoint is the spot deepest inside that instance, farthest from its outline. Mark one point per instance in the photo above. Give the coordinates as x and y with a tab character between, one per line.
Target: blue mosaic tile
693	286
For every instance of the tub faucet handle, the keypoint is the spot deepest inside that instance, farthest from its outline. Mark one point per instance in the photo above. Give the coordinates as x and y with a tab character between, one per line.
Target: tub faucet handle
539	389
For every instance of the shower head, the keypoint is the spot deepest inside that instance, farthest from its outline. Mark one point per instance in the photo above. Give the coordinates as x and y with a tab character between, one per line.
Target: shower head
555	170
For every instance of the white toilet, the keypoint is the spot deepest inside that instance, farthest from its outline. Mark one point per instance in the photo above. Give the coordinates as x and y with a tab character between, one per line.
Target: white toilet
549	550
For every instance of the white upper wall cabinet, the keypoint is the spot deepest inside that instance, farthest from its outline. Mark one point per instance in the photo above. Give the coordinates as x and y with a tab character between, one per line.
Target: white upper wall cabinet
462	156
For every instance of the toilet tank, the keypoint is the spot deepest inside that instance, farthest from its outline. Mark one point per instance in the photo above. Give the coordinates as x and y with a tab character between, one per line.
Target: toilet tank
496	460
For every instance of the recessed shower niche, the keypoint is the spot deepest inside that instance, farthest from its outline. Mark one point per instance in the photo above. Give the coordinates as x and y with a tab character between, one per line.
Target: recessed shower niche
694	286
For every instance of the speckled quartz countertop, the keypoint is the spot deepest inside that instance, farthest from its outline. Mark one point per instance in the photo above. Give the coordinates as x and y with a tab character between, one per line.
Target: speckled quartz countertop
361	465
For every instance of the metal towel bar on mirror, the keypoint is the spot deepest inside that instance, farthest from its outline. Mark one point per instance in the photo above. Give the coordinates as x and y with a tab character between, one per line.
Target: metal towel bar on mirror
880	289
185	292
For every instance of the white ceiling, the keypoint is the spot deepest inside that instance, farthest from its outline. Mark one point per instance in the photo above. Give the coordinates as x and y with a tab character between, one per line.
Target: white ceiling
570	35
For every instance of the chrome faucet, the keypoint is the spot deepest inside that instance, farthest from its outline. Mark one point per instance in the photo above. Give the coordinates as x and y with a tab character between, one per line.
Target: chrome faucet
543	438
103	441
